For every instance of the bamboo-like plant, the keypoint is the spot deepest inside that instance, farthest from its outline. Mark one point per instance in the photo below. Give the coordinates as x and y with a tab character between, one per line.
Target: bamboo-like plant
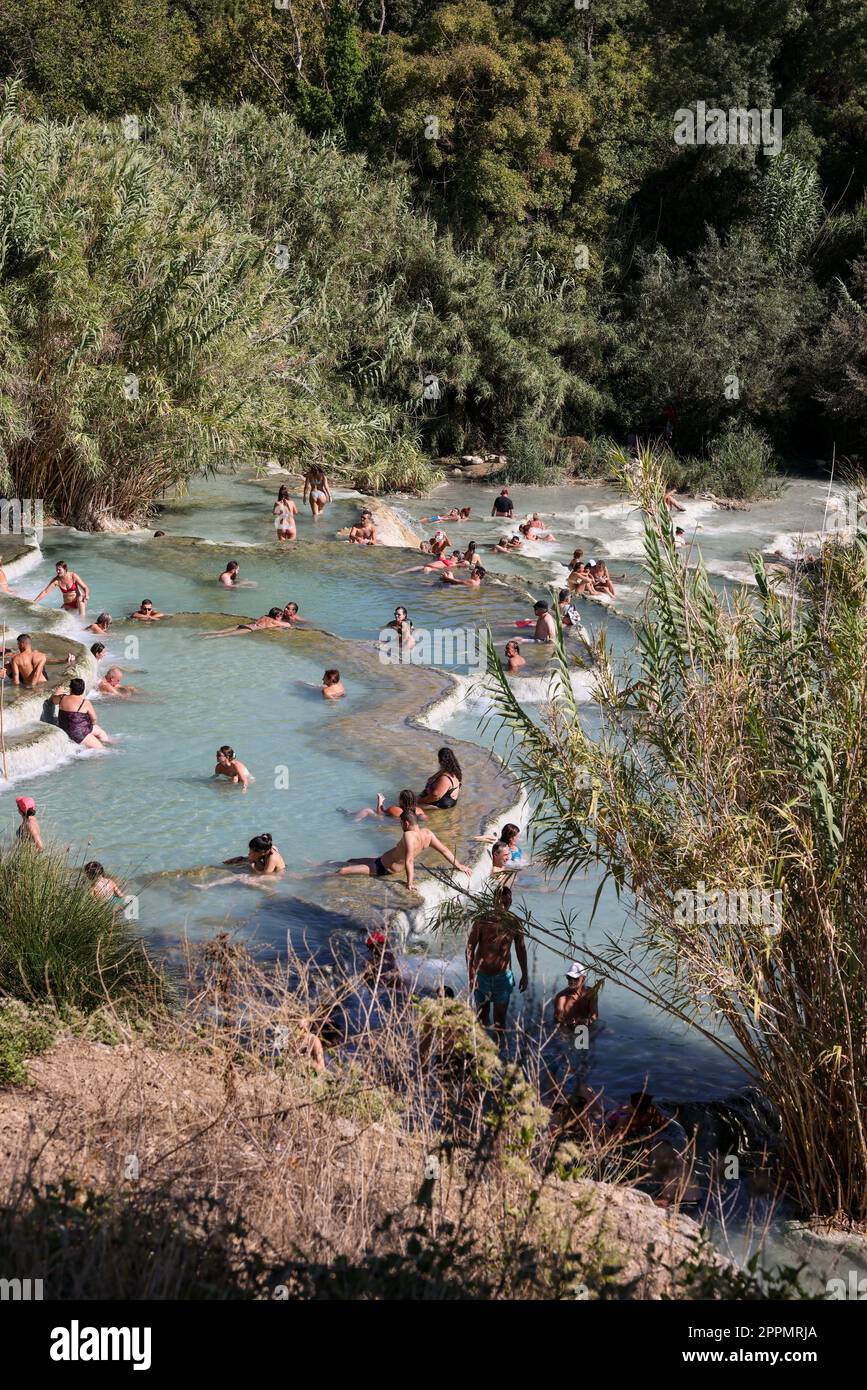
726	795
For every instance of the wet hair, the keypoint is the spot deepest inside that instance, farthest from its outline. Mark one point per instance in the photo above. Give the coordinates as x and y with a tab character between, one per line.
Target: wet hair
464	512
94	869
563	594
61	565
480	572
406	800
76	686
516	646
504	540
111	670
503	897
576	554
232	565
409	820
157	534
24	637
104	619
678	530
226	751
293	606
541	604
331	676
261	844
275	612
144	601
449	763
471	548
509	832
283	494
97	649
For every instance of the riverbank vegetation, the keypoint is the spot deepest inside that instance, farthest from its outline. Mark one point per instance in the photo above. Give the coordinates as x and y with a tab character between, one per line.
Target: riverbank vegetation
377	234
725	797
209	1157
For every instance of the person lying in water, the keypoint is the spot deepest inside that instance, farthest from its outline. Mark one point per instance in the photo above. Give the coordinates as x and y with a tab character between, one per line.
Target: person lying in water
413	843
475	578
406	801
230	766
514	660
273	618
332	685
146	613
456	514
534	531
101	626
101	886
445	562
263	857
112	684
507	544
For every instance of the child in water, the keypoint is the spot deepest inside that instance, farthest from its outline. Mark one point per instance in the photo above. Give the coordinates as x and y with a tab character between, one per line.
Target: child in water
332	685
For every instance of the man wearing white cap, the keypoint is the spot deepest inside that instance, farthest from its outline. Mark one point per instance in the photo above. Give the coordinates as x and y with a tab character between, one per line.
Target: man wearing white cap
576	1003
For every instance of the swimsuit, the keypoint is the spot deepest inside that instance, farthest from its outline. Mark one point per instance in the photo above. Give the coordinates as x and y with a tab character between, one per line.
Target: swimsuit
76	723
496	989
448	799
503	506
71	589
381	870
317	496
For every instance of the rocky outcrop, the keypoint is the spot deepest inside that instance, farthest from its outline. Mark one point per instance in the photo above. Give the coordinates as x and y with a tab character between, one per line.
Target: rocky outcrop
390	528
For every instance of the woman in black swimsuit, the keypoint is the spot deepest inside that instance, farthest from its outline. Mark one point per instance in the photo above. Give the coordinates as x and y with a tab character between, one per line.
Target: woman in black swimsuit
443	789
77	717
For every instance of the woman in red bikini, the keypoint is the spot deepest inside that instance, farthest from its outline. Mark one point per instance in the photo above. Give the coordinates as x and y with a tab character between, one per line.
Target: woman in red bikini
73	590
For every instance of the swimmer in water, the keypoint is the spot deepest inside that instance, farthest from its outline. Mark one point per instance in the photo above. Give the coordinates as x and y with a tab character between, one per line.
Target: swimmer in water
414	841
317	490
77	717
364	533
101	626
146	613
28	832
514	660
532	531
332	685
74	592
508	836
230	766
98	650
231	574
402	625
284	512
444	787
290	614
576	1003
262	857
112	684
544	629
445	562
475	578
406	802
273	618
100	885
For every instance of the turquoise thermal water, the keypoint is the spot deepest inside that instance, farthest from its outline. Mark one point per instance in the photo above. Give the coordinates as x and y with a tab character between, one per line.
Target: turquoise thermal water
149	807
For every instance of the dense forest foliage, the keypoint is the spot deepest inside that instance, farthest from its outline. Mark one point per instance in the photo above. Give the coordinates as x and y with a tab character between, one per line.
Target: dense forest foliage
389	230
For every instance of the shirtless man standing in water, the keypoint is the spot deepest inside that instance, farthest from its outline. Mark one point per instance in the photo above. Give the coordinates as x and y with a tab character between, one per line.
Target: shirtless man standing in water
414	842
489	959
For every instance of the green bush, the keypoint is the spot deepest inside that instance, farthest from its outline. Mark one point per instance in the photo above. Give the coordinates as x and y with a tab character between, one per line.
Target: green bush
63	947
24	1032
740	464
